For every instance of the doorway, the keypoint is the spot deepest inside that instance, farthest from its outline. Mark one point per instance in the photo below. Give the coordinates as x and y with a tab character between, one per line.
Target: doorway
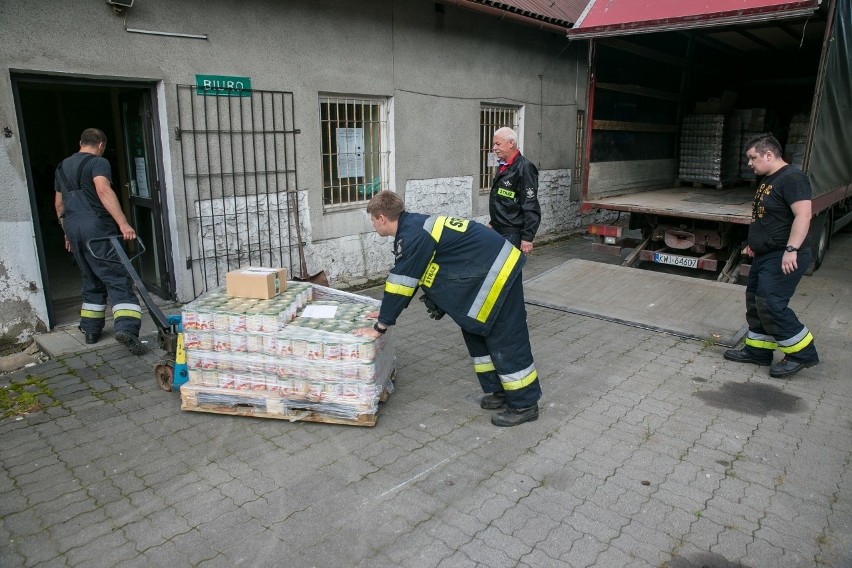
52	114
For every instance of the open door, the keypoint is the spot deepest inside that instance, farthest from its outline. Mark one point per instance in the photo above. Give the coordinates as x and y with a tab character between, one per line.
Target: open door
143	188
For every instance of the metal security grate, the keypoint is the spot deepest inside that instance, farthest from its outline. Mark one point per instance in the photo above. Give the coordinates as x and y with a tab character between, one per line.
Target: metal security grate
579	148
240	185
492	117
355	155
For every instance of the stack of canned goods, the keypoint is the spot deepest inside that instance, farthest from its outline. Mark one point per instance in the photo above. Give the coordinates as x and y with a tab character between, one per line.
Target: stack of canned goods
276	347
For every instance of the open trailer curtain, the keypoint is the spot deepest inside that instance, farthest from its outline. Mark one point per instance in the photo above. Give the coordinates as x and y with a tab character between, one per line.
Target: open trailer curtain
828	165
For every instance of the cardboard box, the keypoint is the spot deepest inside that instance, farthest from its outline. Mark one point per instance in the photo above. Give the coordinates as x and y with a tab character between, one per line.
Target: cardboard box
256	282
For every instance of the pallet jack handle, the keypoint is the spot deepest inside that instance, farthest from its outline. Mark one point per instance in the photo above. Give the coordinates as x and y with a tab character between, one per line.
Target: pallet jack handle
115	240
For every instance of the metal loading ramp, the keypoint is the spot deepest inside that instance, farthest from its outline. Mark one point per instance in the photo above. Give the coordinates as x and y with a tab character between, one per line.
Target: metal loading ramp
680	305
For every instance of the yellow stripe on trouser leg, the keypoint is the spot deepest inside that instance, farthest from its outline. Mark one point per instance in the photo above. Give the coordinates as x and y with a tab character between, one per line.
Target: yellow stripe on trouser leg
482	364
798	346
761	344
92	311
91	314
520	379
127	314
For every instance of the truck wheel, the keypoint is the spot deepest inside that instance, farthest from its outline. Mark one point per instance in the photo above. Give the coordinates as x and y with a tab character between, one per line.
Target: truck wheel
820	238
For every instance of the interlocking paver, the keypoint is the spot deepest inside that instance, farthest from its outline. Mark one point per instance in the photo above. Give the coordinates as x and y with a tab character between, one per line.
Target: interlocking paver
641	456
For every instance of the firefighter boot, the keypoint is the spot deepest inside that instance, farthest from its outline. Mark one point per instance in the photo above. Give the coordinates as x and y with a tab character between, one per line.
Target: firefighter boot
131	342
493	401
514	416
787	367
747	355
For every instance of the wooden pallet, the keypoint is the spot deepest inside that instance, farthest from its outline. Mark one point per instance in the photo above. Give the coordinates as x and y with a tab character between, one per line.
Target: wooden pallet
720	184
259	405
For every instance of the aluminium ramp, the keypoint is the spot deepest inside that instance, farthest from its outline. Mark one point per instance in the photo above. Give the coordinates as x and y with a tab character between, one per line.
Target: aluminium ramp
670	303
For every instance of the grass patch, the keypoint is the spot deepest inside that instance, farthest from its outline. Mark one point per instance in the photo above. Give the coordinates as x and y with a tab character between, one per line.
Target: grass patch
31	395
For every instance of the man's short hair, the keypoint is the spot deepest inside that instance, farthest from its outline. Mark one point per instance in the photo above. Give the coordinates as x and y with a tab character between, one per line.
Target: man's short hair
764	142
507	134
386	203
92	137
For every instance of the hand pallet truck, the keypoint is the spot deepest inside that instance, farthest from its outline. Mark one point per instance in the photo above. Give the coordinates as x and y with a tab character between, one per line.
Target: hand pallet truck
171	372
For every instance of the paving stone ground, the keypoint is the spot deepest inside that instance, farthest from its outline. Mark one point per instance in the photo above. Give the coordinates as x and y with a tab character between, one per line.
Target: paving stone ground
650	451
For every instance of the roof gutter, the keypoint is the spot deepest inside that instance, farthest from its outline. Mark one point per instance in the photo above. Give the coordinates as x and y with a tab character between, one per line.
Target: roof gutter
505	15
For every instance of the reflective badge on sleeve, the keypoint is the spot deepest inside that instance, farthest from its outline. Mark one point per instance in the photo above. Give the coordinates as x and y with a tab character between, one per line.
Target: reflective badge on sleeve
429	275
457	224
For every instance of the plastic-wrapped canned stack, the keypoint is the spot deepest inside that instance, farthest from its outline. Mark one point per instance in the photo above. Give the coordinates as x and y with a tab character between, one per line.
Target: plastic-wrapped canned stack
275	348
753	122
709	149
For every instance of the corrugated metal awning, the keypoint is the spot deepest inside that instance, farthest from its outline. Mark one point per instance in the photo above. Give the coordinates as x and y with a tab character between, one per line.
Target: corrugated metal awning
563	12
622	17
550	15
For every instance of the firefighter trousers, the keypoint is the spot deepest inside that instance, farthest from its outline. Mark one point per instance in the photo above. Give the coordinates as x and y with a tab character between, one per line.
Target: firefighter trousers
503	359
771	323
102	280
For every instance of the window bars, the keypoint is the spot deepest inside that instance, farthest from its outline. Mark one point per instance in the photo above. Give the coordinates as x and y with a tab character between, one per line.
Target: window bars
355	151
238	155
492	117
579	148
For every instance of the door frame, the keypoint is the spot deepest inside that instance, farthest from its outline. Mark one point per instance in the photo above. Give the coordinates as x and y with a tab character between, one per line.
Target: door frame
60	80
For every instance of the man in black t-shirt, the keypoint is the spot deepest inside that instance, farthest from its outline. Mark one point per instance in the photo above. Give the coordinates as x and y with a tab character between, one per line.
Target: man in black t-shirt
88	208
778	244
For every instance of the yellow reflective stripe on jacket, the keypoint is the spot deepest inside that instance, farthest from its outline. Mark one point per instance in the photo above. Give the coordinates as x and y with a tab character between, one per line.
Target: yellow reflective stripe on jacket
799	345
494	282
401	285
482	364
435	226
520	379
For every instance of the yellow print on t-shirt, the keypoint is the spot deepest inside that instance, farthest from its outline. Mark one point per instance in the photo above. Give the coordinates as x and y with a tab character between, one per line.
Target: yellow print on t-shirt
758	209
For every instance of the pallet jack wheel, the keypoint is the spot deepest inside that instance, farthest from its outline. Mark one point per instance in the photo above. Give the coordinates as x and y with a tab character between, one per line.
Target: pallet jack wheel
165	375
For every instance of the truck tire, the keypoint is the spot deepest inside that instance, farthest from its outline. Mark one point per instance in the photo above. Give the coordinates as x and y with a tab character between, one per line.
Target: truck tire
820	237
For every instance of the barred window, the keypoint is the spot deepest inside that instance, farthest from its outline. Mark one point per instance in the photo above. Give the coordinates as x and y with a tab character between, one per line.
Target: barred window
355	152
492	117
578	154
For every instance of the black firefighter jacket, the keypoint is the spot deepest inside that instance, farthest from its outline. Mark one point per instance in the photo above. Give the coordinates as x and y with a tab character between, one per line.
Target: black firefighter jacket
513	202
463	266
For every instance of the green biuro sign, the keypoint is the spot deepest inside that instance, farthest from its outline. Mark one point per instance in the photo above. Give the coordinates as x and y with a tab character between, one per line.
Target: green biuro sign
222	86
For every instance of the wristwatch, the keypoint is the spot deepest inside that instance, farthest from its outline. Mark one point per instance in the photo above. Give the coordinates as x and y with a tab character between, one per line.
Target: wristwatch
790	248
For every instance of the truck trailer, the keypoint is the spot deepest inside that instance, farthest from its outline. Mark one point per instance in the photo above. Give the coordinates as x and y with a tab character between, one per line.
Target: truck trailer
675	90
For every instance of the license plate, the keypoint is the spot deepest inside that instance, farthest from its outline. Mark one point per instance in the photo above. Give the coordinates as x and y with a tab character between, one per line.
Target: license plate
676	260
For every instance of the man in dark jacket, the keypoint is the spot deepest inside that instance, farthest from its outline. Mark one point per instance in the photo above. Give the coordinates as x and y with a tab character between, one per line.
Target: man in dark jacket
513	203
88	208
472	274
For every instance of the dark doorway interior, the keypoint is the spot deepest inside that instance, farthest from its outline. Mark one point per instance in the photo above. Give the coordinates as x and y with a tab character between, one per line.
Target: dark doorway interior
53	115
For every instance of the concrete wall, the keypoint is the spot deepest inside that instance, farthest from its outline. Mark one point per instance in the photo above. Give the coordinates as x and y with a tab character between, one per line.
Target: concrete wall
436	67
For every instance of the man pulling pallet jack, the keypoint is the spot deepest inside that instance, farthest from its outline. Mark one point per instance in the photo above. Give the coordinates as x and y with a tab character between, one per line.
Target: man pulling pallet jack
87	209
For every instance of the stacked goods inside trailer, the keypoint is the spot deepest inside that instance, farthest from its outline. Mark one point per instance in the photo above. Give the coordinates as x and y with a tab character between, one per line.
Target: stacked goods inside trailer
673	110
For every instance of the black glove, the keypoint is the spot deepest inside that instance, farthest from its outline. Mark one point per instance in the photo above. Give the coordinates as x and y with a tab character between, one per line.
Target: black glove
435	312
